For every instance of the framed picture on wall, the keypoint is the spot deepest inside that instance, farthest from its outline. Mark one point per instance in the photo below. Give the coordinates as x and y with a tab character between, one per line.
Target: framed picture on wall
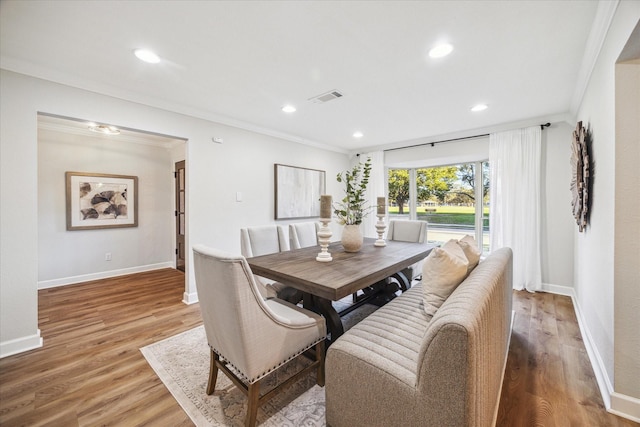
297	192
98	200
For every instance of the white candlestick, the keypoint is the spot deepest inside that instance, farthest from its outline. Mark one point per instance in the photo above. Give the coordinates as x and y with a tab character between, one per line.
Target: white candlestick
324	237
380	227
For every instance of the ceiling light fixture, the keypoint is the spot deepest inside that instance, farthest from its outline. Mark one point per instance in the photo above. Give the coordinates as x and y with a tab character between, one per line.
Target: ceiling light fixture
358	134
147	56
289	109
104	129
441	50
479	107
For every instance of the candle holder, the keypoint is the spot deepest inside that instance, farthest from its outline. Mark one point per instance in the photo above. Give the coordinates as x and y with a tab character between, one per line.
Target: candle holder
380	228
324	237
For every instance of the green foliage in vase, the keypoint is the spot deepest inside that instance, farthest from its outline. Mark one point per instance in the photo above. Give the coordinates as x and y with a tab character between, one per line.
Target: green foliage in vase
353	207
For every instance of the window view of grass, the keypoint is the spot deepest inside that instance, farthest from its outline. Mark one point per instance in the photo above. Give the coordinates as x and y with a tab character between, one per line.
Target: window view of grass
454	215
446	199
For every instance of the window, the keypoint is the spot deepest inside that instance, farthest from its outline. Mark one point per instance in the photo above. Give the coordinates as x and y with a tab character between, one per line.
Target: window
453	199
399	193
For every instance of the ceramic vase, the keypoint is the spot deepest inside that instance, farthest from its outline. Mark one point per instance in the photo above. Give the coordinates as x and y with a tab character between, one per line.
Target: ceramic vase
352	238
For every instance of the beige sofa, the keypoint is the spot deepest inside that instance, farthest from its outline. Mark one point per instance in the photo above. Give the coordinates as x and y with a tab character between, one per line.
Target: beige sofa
402	367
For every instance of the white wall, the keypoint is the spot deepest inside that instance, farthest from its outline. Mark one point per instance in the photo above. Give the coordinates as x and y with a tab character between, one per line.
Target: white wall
73	256
627	229
594	248
446	153
214	173
556	242
18	220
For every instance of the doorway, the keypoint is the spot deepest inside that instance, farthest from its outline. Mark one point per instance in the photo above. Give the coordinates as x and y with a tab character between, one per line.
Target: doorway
69	144
179	175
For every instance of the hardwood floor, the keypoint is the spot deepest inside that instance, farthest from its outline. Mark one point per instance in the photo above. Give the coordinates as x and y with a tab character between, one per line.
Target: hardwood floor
549	380
91	372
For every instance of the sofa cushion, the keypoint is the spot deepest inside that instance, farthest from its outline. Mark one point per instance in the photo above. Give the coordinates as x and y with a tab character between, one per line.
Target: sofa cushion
442	272
471	251
389	339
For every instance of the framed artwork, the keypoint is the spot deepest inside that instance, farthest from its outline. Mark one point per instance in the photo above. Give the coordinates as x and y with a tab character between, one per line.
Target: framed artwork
297	192
98	200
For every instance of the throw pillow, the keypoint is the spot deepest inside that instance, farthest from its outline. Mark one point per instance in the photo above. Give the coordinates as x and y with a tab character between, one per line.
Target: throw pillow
471	251
442	272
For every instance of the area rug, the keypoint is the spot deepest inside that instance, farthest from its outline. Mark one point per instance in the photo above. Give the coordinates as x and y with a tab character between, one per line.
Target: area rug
182	363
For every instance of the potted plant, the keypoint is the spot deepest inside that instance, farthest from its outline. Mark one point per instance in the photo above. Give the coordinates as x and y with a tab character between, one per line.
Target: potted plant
351	210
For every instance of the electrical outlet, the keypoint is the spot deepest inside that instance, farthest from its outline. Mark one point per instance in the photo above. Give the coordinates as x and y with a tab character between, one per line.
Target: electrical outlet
107	256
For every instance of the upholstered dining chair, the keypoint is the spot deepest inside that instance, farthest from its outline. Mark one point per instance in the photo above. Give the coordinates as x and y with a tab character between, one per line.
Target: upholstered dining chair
303	234
264	240
409	231
249	336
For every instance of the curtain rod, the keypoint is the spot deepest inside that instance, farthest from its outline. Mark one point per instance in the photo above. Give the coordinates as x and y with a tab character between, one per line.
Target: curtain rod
542	126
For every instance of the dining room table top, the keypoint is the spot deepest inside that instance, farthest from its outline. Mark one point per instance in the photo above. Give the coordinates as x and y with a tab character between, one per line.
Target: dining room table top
347	273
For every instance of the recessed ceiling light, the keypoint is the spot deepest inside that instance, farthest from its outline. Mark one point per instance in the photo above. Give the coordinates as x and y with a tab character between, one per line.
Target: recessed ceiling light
289	109
358	134
441	50
104	129
479	107
147	56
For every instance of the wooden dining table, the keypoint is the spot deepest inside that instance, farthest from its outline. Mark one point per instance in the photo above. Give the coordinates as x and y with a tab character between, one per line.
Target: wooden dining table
347	273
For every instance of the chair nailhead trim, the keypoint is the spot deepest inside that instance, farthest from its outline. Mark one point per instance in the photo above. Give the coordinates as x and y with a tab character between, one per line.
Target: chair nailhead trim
246	380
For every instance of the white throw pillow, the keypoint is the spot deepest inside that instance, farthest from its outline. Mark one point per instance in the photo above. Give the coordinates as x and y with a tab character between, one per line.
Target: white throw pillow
442	272
471	251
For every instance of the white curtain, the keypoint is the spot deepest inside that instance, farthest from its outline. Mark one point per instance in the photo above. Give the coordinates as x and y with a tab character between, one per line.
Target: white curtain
375	189
514	162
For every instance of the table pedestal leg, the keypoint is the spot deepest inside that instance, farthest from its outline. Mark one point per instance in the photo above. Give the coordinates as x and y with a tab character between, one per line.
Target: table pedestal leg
403	280
324	307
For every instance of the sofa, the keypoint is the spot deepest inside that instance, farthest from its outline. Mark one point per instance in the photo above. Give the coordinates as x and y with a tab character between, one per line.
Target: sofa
403	367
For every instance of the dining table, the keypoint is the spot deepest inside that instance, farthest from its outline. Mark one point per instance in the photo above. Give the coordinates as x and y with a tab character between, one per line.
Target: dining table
346	274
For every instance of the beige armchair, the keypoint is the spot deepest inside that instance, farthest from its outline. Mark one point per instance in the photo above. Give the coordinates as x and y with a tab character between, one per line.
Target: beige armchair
249	336
303	234
409	231
264	240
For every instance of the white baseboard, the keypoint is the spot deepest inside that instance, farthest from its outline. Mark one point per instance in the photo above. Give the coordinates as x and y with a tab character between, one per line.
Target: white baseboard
625	406
616	403
19	345
559	290
189	298
44	284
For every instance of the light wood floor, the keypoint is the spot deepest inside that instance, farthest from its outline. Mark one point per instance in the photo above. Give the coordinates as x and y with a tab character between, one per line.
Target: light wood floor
549	380
90	371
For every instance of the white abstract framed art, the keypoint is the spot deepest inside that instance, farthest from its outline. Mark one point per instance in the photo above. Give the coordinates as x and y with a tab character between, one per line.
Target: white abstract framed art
297	191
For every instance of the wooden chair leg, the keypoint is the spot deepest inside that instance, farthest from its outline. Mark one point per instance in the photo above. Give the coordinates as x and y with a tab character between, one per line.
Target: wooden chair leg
253	397
320	349
213	372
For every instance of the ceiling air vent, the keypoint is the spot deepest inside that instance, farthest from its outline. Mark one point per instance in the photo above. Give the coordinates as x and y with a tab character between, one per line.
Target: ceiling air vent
325	97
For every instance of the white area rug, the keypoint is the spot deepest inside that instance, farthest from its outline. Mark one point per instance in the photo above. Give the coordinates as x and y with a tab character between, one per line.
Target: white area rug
182	363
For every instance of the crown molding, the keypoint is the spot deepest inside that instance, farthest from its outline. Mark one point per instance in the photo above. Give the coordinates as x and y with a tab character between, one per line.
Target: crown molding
601	23
33	70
